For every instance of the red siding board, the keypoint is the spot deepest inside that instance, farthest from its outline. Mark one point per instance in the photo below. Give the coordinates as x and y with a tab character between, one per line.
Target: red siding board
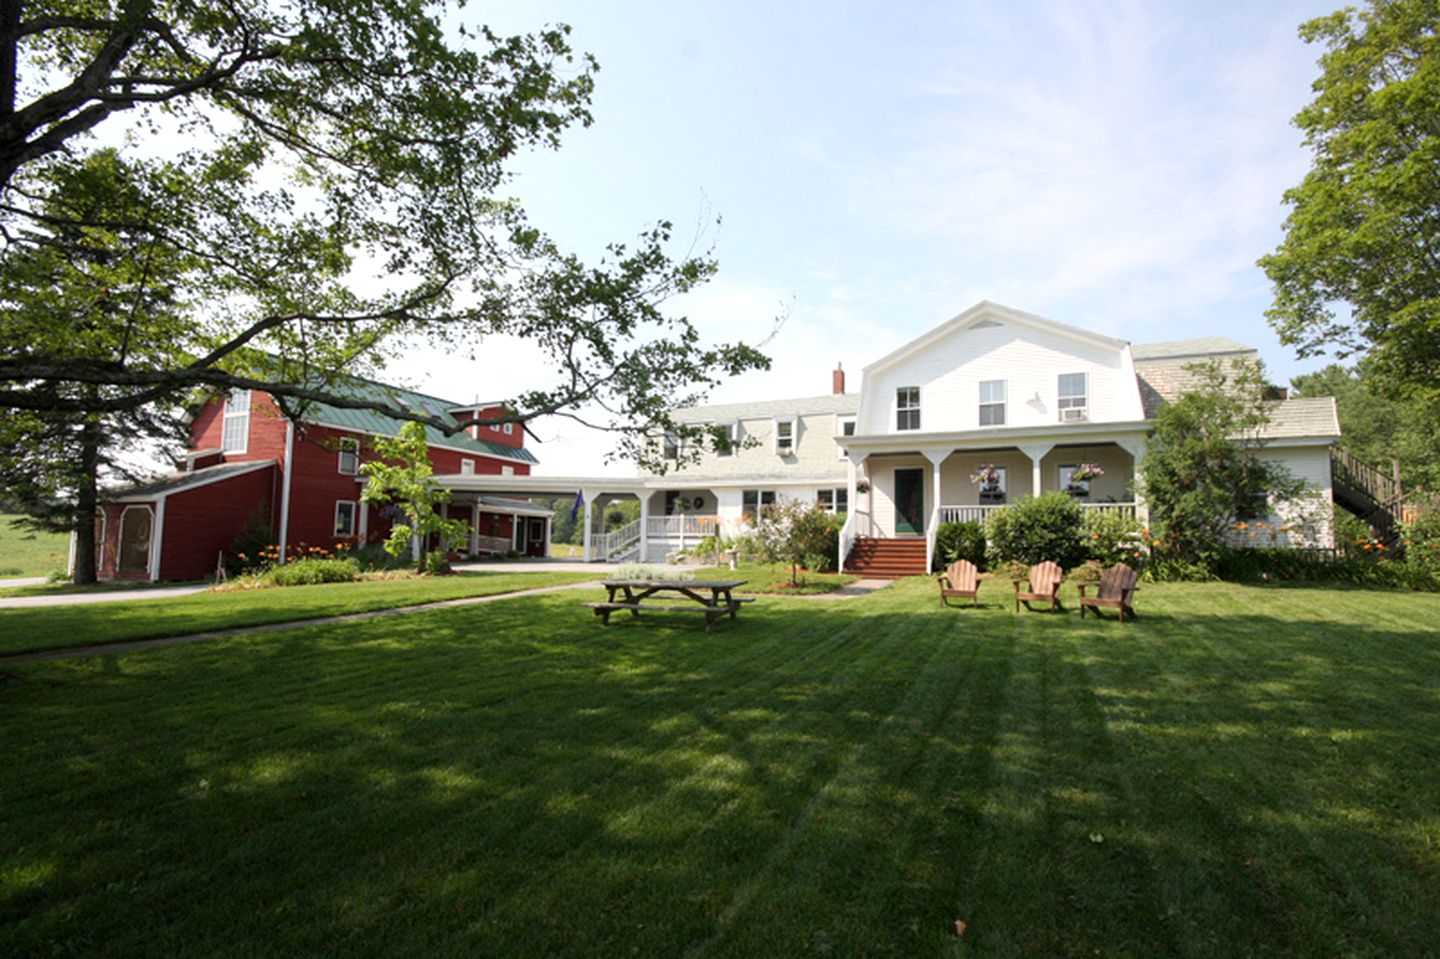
202	522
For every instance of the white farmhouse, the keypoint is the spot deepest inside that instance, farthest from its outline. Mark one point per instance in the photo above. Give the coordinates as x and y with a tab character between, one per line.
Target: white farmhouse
993	405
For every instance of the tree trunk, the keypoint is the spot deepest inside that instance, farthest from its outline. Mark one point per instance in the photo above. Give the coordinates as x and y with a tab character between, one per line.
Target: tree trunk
86	499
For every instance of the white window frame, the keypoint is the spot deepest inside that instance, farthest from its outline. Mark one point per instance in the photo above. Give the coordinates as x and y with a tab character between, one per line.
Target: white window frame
467	467
763	498
354	517
838	494
1068	401
507	471
791	443
732	433
992	402
348	446
846	427
239	414
904	422
670	445
508	429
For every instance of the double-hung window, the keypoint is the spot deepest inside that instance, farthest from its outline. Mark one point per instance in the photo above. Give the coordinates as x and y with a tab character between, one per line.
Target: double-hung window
349	456
847	428
835	500
752	501
907	408
1072	399
670	445
992	402
728	440
467	467
784	437
235	433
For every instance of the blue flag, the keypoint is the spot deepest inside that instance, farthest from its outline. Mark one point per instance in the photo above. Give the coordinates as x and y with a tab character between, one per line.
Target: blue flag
579	502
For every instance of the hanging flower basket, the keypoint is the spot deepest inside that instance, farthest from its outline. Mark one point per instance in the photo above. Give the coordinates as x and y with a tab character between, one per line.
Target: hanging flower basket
987	477
1086	472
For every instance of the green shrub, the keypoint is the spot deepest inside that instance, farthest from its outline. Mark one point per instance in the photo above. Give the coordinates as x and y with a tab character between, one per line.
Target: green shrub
1112	537
1038	528
642	571
818	563
374	556
1089	571
1327	566
308	572
1422	542
957	541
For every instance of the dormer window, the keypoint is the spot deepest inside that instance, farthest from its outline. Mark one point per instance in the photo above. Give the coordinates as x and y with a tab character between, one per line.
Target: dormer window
1073	398
992	402
907	408
235	432
784	437
729	439
847	428
670	445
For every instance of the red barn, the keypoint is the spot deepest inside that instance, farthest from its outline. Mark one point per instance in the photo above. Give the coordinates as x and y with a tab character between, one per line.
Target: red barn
250	468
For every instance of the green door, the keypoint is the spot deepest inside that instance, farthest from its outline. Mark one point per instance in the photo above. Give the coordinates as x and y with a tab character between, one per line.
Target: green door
909	501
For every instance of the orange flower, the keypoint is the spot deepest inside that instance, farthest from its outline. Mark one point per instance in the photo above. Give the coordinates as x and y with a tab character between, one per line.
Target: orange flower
1241	526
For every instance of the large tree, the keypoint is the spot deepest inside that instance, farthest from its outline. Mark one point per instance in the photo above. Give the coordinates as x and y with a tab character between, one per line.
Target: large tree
319	145
327	181
1359	267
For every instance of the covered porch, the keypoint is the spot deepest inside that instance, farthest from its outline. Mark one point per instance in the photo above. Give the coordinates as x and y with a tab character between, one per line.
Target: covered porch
909	493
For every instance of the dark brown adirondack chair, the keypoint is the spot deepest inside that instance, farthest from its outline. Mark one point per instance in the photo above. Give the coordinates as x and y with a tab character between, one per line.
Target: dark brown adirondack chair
1044	586
1117	591
962	580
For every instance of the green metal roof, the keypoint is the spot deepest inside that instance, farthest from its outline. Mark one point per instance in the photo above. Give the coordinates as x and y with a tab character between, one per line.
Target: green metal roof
372	421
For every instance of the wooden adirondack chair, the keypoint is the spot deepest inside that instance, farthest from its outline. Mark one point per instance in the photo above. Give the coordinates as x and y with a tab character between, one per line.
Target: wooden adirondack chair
1117	591
962	579
1044	586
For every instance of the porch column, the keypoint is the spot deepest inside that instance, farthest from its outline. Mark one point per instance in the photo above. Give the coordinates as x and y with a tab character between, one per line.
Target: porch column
1036	452
936	456
364	522
546	551
644	526
589	497
1135	446
474	528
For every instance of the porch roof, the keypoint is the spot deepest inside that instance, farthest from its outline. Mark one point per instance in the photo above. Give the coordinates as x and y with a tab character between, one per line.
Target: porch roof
1068	434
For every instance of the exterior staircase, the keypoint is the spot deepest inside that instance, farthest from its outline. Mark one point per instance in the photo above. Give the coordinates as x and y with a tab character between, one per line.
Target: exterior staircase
1374	496
877	558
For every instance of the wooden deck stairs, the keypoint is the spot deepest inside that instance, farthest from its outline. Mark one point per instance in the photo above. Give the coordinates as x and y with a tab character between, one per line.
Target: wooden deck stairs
876	558
1372	494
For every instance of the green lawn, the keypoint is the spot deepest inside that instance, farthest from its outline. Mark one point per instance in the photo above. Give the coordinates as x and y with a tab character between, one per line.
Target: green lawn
31	554
1242	771
84	625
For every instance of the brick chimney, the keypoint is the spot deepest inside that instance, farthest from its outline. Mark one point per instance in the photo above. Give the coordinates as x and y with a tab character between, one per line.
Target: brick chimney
837	380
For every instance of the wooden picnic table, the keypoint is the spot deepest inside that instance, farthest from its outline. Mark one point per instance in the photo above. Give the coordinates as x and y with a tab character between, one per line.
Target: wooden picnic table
712	597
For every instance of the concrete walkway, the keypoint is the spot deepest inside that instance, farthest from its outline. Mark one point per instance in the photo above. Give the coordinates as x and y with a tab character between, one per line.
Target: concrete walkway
24	581
99	596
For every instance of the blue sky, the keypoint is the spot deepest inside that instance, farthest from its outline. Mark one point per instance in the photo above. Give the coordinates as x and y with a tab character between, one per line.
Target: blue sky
1117	166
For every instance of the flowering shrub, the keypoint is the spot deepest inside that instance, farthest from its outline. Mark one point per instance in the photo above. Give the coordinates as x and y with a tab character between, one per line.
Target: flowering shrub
1112	537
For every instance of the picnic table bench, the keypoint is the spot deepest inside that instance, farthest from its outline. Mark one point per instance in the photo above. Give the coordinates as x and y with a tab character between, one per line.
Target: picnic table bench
712	597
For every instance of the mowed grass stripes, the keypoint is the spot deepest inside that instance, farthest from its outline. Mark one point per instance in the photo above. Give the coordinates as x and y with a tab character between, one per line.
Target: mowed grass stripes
1242	771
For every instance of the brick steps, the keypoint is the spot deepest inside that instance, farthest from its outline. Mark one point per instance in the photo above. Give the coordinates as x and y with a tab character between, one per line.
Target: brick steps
886	558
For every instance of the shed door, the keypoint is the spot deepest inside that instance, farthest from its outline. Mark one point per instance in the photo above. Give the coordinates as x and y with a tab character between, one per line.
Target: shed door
135	528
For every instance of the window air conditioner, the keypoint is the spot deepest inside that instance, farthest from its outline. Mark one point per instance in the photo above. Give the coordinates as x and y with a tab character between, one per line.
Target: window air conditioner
1074	414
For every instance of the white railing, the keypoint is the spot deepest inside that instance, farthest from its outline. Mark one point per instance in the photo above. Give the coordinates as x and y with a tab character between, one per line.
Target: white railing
682	524
978	514
606	547
857	526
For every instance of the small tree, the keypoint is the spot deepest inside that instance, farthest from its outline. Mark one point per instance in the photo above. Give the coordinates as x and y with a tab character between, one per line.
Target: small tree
402	476
1203	469
797	533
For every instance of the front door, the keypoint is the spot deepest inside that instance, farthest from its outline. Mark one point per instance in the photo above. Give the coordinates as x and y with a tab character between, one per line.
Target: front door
135	528
909	502
536	537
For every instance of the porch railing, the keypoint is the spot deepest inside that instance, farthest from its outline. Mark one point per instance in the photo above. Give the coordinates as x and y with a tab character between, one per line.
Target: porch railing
978	514
682	524
493	544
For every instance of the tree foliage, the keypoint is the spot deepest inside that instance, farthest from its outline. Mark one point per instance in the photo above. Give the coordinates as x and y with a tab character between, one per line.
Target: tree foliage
287	155
1359	267
402	477
1204	470
798	534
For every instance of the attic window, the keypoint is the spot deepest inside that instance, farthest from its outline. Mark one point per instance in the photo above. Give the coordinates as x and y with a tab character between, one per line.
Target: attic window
235	431
349	456
847	428
729	440
784	437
